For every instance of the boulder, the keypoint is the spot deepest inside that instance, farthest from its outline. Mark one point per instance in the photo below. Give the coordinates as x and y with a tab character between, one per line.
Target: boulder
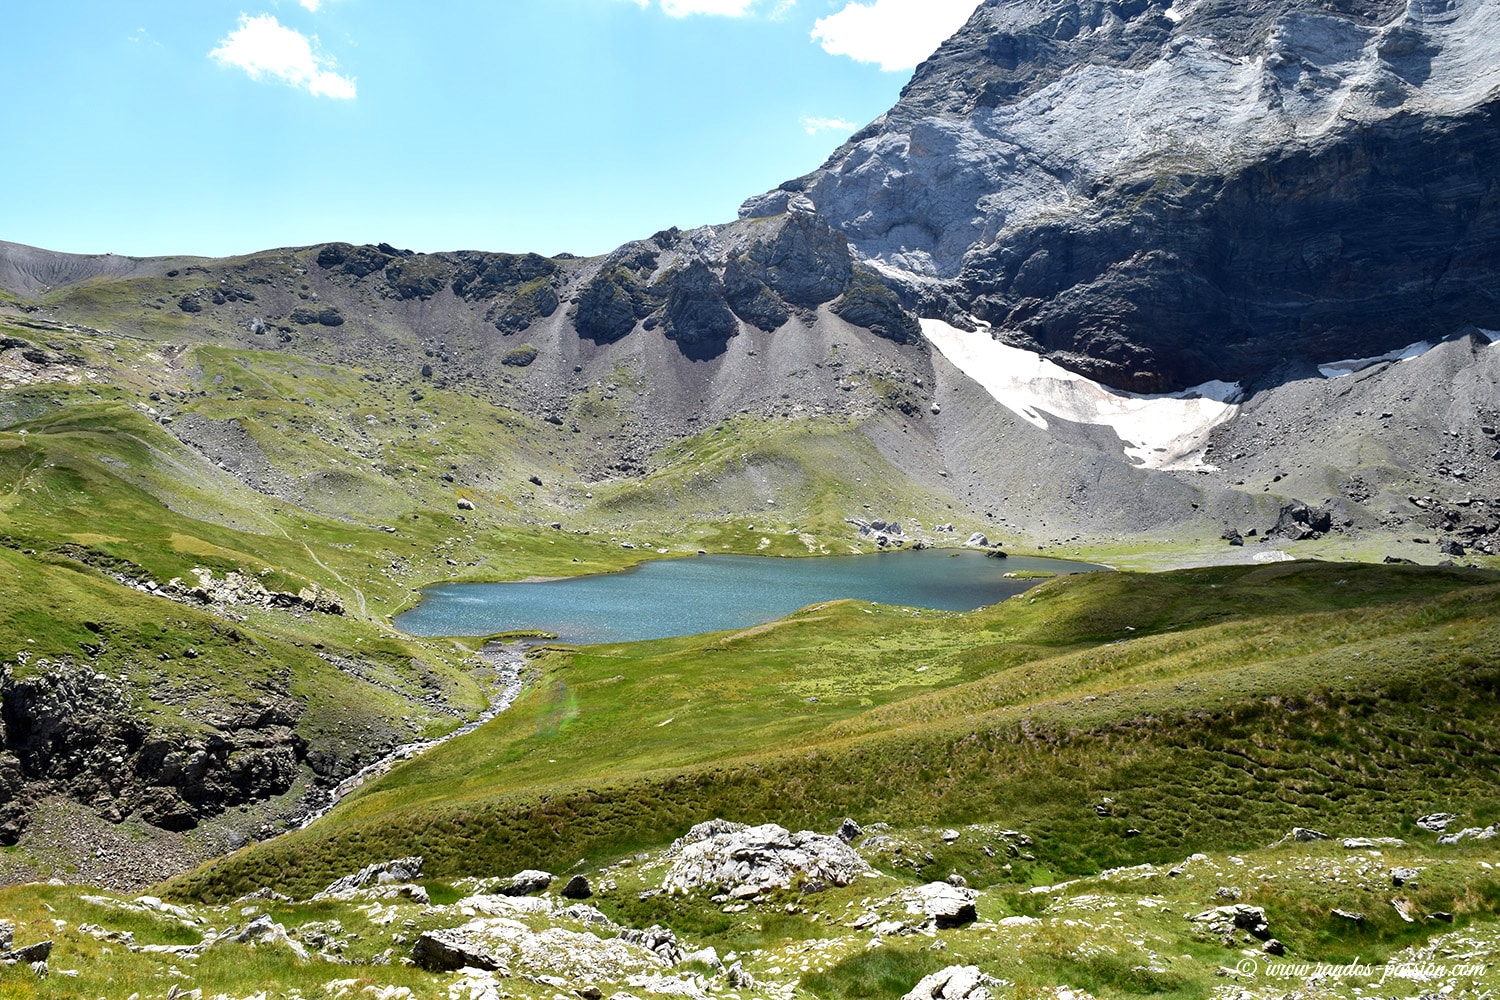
1436	822
1475	832
977	541
1303	835
957	982
946	905
747	861
451	950
738	978
400	870
658	940
577	888
1403	876
263	931
1299	522
523	883
706	956
1223	921
28	955
849	831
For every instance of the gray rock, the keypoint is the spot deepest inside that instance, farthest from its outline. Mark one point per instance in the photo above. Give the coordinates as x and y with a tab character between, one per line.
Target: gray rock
577	888
977	541
872	304
957	982
1436	822
705	956
697	314
1403	876
658	940
1474	832
849	831
451	950
748	861
738	978
1223	921
1368	843
1303	835
523	883
28	955
947	906
1352	917
399	870
1299	522
465	504
263	931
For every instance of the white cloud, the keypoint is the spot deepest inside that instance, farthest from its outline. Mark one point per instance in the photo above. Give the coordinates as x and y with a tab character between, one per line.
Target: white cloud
816	125
897	34
726	8
262	47
311	5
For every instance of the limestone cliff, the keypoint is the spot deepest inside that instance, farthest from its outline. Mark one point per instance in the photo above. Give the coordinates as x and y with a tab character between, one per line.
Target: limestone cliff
1156	195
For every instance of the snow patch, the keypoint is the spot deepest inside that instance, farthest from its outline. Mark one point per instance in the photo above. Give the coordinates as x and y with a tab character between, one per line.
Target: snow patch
1338	369
1159	432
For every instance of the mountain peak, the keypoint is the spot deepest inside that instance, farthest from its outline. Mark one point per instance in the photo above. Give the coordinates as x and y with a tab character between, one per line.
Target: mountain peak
1160	195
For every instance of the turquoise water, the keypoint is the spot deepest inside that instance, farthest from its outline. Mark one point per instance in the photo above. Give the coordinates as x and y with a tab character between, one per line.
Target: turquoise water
674	597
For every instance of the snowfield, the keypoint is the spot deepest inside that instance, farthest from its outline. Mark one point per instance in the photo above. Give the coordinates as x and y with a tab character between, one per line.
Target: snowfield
1158	432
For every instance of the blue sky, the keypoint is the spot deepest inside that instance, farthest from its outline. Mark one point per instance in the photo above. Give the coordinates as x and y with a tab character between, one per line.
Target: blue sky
195	126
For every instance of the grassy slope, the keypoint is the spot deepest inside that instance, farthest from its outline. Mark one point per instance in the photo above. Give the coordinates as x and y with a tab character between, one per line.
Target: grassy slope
1217	708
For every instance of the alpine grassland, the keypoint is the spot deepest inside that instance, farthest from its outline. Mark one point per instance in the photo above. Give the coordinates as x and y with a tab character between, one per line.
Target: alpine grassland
1199	710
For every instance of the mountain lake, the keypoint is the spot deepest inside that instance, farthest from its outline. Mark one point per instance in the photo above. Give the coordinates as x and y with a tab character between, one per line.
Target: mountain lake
675	597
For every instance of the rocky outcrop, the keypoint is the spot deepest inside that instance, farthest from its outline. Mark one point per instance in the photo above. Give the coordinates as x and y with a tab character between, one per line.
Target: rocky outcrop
698	287
241	588
1225	922
68	730
511	948
399	871
523	883
1159	195
957	982
872	304
1299	522
697	313
748	861
946	905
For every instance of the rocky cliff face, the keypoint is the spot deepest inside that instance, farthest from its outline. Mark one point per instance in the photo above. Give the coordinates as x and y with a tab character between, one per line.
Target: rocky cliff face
69	730
1159	194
